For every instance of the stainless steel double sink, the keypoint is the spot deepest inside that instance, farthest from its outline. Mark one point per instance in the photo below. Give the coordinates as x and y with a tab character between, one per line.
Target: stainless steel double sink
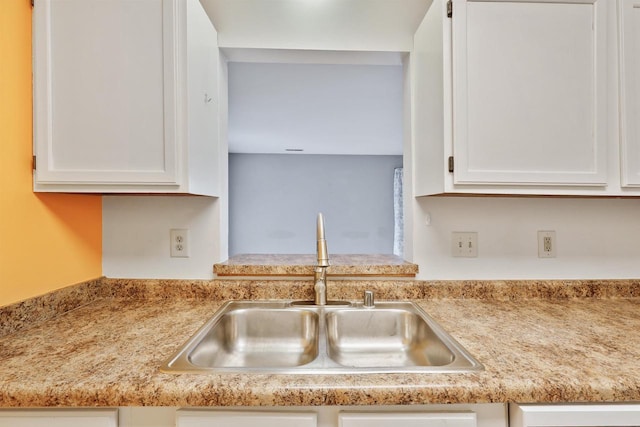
296	337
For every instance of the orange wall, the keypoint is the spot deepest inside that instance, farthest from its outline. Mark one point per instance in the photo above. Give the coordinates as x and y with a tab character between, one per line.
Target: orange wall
47	241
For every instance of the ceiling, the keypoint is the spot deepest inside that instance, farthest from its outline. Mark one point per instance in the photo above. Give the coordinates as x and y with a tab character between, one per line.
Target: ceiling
322	76
382	25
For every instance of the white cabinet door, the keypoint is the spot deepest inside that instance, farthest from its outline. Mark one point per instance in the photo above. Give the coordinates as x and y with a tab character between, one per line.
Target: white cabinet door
125	97
414	419
529	92
208	418
104	95
59	418
202	101
605	415
630	91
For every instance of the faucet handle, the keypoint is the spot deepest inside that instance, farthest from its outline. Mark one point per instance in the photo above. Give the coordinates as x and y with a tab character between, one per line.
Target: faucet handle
368	299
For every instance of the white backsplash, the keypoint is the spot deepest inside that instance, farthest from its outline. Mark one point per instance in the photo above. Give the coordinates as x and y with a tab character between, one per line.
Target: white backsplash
596	238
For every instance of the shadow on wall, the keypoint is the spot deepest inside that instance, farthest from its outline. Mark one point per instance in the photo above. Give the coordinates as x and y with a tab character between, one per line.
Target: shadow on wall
56	241
70	212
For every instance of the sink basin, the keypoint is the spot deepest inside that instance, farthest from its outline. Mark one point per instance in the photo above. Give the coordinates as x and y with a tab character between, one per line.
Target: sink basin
256	337
292	338
384	338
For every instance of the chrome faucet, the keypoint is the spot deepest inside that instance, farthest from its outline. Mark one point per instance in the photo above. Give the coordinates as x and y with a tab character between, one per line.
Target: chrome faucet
320	277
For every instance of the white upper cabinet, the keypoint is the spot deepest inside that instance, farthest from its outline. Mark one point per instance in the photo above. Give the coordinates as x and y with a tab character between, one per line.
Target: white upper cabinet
125	97
630	91
529	92
523	96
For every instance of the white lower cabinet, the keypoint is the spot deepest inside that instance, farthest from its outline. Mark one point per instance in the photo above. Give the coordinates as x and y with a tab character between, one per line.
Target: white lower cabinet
577	415
208	418
59	418
453	415
412	419
436	415
479	415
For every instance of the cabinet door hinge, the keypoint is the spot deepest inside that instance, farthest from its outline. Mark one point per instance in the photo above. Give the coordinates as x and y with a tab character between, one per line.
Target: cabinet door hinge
33	164
451	164
449	8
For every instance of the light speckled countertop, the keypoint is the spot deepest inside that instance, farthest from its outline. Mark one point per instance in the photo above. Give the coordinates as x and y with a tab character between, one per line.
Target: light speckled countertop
545	347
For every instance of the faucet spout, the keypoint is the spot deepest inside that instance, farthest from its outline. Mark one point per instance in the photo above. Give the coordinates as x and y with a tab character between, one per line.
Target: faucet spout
322	252
320	276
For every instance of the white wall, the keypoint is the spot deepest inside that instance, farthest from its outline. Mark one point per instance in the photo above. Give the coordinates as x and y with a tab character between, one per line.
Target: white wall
596	238
274	200
321	108
135	240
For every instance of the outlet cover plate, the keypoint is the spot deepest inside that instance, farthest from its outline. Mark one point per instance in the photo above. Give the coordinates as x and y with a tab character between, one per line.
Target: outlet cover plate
179	242
464	244
547	244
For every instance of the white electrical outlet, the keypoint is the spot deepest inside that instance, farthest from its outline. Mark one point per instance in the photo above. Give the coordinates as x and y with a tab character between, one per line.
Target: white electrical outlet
464	244
179	242
546	244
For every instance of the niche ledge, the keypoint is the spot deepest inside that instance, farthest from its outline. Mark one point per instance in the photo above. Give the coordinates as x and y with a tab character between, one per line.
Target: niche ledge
371	265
